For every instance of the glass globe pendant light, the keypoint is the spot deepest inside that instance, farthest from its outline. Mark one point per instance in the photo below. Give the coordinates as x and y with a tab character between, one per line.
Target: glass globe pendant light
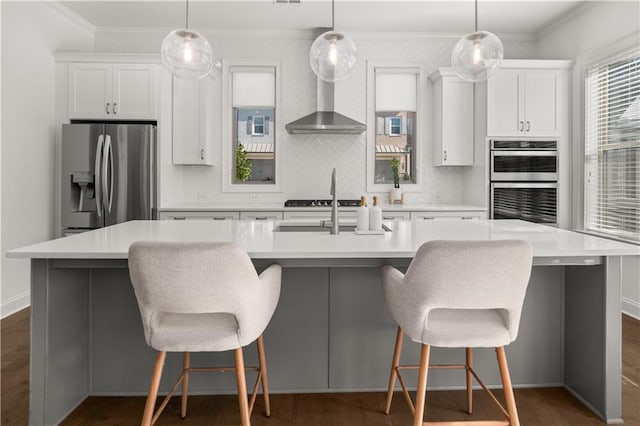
333	55
477	56
186	53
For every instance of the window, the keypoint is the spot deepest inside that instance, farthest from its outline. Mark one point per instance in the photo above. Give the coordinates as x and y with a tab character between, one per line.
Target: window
257	125
249	125
395	124
612	150
394	107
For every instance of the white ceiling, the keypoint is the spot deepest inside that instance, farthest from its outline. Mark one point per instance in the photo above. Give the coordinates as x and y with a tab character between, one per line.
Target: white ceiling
423	16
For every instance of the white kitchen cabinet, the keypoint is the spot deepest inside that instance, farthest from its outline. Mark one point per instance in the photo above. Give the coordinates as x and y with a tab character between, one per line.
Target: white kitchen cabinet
387	215
452	215
193	121
264	215
210	215
452	119
319	215
112	91
524	102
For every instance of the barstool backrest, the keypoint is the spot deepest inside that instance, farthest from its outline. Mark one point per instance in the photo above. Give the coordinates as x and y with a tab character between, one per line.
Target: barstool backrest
467	275
199	278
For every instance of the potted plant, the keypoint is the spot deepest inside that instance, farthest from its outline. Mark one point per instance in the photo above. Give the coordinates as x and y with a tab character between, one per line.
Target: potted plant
396	193
243	165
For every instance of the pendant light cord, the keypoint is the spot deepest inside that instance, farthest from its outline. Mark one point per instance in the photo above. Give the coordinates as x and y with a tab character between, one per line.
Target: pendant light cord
187	17
476	30
333	15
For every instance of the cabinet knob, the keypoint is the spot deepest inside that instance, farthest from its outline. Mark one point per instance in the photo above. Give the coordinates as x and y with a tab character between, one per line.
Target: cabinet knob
114	108
107	107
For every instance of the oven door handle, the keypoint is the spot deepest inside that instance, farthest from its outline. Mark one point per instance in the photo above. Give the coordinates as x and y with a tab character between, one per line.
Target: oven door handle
514	153
524	185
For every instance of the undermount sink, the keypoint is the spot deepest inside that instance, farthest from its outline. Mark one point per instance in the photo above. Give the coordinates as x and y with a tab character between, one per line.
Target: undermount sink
323	226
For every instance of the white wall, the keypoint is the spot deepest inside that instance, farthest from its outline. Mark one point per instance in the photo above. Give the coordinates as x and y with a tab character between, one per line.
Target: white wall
594	28
31	31
307	160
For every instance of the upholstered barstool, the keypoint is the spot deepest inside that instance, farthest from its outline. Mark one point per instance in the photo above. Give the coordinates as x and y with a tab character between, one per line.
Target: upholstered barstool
460	294
202	297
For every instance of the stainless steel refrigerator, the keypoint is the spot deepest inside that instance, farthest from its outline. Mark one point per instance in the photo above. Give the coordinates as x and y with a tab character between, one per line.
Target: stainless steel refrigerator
108	175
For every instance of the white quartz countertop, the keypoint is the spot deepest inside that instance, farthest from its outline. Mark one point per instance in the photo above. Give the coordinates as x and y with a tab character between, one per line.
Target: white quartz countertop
212	207
260	240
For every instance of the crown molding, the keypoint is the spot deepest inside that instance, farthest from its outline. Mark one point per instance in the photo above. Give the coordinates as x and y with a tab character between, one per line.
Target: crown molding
128	58
216	32
65	11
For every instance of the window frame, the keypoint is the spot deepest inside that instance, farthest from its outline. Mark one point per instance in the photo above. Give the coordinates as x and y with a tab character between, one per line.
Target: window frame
609	54
422	138
391	126
227	168
254	132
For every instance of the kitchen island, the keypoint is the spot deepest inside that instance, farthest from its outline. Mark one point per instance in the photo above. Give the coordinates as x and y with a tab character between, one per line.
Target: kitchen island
331	331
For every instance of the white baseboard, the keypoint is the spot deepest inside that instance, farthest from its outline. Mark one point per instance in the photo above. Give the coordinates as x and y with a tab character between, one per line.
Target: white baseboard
14	305
631	308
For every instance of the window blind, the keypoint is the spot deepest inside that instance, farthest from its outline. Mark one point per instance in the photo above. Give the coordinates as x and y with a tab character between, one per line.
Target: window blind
396	91
253	89
612	147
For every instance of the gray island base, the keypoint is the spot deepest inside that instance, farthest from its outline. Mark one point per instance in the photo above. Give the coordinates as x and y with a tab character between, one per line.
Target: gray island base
331	331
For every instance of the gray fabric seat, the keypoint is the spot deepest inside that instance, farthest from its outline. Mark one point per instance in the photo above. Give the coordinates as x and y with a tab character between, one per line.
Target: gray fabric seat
463	294
202	297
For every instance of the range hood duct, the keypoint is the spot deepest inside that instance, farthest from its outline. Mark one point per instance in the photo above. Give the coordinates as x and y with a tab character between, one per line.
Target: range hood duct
325	120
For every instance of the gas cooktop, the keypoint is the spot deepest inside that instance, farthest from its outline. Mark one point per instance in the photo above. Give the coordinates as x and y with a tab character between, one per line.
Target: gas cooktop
320	203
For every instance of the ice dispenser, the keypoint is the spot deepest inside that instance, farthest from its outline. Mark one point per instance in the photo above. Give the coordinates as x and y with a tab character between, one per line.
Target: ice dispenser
83	190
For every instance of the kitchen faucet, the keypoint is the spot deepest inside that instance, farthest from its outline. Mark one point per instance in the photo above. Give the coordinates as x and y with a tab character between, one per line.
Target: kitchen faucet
335	226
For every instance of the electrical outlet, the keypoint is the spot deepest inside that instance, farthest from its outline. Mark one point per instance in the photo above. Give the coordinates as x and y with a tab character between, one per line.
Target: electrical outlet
254	197
204	196
436	197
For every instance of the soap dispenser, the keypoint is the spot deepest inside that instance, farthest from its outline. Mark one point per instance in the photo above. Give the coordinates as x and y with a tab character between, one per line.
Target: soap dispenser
363	215
375	216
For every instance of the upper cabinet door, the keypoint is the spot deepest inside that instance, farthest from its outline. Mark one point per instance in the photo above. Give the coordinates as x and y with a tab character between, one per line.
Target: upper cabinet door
541	112
523	103
505	103
100	91
134	91
90	90
192	118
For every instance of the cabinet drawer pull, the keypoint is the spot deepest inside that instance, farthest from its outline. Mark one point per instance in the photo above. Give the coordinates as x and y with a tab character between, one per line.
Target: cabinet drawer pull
467	217
387	217
115	111
427	218
528	126
445	155
202	154
107	107
219	218
261	218
179	218
521	127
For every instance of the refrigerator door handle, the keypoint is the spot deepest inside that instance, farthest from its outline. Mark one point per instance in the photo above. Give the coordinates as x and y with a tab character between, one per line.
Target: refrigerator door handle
107	185
97	171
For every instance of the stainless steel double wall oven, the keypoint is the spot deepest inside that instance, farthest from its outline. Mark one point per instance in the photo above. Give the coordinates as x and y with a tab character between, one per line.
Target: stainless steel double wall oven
524	180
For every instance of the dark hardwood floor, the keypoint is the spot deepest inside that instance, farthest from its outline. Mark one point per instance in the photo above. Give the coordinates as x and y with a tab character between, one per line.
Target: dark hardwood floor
544	407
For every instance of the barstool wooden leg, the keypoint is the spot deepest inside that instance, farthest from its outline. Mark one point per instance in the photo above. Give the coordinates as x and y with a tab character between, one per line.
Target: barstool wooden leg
394	364
421	391
185	383
508	390
242	388
469	364
263	376
153	389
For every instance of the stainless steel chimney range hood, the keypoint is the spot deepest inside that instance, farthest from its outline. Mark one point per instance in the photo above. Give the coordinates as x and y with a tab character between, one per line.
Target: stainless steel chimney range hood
325	120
